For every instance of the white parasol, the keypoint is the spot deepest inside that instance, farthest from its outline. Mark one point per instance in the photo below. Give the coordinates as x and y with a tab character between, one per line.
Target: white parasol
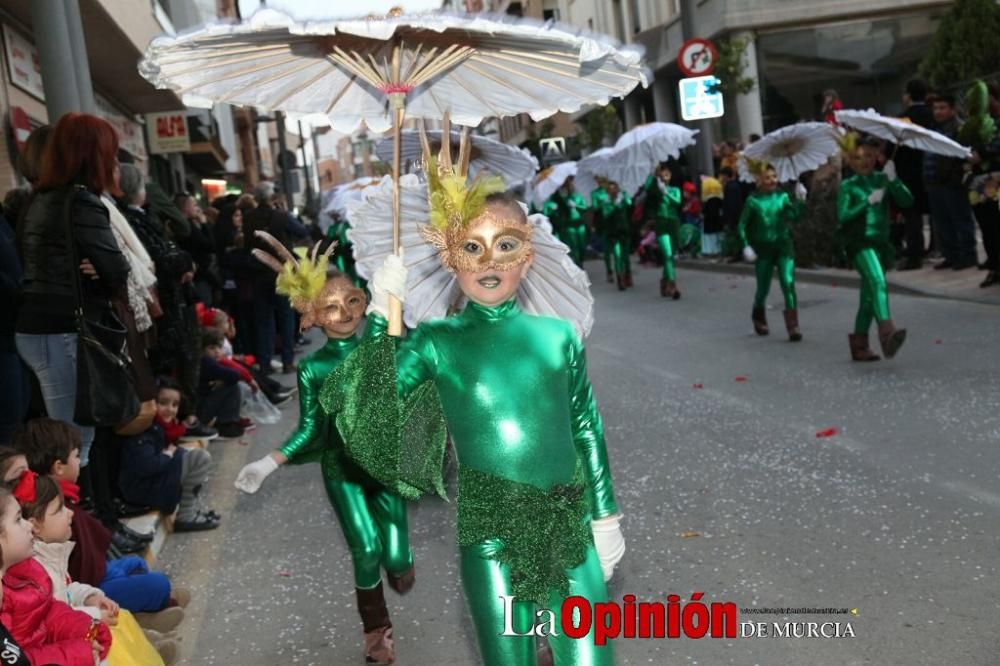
549	180
590	168
347	192
638	151
511	163
793	150
554	286
374	71
902	133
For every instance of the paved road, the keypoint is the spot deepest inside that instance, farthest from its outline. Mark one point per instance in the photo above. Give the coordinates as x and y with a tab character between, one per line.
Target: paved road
897	516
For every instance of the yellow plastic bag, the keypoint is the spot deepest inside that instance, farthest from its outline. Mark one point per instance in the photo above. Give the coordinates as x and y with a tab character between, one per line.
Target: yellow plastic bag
129	646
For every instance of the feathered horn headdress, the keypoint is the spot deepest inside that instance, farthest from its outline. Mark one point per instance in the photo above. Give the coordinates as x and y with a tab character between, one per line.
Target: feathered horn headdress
848	142
757	168
453	199
302	275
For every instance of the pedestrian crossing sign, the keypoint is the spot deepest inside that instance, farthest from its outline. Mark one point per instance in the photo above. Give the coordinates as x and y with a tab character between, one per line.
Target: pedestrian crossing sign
698	102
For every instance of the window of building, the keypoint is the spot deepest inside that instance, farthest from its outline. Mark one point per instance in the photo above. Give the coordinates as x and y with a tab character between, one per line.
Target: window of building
550	14
515	9
867	62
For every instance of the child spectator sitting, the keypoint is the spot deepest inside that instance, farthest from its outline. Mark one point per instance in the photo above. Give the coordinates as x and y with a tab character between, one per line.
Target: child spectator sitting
51	520
155	471
219	396
12	465
47	630
52	450
10	529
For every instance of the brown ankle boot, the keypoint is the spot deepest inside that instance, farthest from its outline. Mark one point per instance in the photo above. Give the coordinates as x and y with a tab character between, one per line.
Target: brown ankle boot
379	648
664	287
404	582
792	325
759	318
628	279
621	282
675	293
860	351
611	276
890	338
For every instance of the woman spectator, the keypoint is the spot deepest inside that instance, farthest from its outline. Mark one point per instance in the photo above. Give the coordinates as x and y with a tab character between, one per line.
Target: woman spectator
78	166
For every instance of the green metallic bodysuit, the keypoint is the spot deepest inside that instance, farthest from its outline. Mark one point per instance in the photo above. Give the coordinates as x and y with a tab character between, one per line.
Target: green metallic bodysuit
532	464
617	216
864	229
664	206
372	518
598	198
569	212
765	226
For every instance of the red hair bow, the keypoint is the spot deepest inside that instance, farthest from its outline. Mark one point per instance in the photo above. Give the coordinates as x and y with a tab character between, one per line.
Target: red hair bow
24	491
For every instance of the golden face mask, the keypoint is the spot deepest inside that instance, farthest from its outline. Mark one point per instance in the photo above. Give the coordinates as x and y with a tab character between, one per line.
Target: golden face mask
491	241
339	307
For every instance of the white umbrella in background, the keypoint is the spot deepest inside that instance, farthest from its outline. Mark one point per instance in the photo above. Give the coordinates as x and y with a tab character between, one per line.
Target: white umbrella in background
343	194
590	168
902	133
638	151
511	163
549	180
793	150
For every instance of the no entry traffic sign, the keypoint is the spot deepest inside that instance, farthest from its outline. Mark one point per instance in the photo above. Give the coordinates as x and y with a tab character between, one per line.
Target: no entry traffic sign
697	57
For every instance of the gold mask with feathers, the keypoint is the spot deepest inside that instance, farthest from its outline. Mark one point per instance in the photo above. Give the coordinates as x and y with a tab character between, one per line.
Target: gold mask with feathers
469	235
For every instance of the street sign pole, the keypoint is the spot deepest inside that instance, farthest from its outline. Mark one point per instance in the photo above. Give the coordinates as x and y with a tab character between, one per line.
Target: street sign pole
706	136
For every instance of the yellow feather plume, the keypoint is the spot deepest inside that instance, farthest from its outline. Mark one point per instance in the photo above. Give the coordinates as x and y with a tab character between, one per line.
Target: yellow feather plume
302	283
848	143
454	200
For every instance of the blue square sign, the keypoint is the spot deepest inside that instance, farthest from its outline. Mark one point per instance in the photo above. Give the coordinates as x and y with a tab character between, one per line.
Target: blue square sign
697	100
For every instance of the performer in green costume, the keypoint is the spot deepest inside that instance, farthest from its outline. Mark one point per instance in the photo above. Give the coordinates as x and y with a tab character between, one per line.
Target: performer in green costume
598	197
765	232
863	211
616	213
373	518
537	517
663	204
569	208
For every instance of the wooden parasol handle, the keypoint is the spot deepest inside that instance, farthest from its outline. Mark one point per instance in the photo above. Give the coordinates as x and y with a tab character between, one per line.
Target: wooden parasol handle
397	104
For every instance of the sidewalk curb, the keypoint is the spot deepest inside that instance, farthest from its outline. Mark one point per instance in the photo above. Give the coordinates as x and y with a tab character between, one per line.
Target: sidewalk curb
844	278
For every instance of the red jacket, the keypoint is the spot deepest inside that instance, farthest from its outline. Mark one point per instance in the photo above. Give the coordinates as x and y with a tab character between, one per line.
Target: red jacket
233	365
48	630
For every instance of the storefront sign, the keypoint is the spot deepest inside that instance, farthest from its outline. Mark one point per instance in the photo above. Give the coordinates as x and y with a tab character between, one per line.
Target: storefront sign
698	102
129	131
167	132
23	64
20	124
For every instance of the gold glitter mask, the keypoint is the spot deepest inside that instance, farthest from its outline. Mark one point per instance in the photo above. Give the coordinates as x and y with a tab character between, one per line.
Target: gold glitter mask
338	308
491	242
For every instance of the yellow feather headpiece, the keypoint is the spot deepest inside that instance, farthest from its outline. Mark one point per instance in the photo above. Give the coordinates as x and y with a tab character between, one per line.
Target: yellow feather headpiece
757	168
848	143
302	275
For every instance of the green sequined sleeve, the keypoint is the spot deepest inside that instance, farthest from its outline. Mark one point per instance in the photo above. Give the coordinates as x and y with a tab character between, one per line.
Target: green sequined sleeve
393	430
588	434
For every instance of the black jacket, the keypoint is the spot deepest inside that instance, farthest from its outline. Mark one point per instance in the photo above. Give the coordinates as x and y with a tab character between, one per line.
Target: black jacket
148	477
49	291
909	161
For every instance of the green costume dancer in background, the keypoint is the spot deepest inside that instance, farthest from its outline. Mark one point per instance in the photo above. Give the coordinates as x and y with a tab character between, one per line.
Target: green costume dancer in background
373	519
616	211
765	227
598	197
532	463
663	204
342	258
570	206
863	211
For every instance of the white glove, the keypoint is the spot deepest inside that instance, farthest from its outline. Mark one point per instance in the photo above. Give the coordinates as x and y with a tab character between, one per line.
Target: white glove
571	204
389	278
875	198
890	170
801	193
749	255
253	474
609	543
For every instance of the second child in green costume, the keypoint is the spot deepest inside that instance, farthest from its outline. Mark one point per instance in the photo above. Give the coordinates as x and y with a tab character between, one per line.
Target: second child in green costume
663	204
373	518
765	231
863	212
